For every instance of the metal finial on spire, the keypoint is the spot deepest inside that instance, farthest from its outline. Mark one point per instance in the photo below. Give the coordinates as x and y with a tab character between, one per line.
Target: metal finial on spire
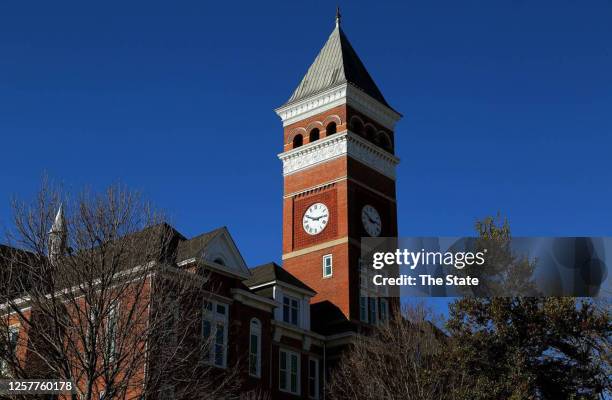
338	16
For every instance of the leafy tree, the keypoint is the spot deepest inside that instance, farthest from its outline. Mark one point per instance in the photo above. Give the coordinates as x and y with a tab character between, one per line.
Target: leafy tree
504	273
517	348
530	347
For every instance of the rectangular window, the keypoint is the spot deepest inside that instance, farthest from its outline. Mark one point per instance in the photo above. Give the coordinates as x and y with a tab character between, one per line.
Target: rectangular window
313	378
373	317
214	333
289	372
363	275
112	322
255	348
91	326
363	309
384	310
11	346
291	308
327	266
171	324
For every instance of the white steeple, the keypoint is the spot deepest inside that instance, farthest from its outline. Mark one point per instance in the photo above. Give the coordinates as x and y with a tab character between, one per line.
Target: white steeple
58	235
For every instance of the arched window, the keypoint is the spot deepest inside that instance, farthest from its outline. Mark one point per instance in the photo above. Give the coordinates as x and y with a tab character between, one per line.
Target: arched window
255	348
297	141
356	126
370	134
219	261
330	129
314	135
384	141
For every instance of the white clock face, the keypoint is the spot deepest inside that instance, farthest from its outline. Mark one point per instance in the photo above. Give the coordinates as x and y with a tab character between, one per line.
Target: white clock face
315	218
370	218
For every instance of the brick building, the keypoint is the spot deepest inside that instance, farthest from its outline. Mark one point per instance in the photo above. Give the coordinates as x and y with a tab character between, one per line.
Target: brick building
291	322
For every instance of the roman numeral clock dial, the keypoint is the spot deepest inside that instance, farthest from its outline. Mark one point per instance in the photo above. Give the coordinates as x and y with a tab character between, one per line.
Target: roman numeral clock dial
315	218
370	218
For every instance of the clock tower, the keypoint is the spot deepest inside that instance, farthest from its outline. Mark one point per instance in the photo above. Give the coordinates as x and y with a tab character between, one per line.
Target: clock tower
339	176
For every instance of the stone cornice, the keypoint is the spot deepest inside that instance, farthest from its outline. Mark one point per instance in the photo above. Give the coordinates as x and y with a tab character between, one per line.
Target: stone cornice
313	105
380	113
335	146
341	94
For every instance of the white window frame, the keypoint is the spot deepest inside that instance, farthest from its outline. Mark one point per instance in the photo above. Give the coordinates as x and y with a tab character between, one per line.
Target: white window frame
287	371
214	318
255	329
12	330
91	323
297	301
371	297
111	337
328	258
314	378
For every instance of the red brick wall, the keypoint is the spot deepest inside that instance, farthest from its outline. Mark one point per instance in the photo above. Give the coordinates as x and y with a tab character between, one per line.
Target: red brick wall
320	121
356	186
296	347
334	196
367	120
309	269
316	175
302	239
238	338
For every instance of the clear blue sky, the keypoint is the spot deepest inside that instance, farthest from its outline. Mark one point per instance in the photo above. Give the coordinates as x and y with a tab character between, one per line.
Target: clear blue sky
507	107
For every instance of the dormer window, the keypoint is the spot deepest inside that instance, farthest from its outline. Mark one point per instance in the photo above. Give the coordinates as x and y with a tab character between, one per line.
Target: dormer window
291	310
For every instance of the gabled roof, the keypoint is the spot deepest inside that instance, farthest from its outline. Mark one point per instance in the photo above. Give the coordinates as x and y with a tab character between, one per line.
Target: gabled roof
192	247
15	280
217	248
336	63
272	272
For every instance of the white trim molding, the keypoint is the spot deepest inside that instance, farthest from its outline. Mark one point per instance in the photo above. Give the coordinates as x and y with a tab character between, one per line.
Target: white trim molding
313	105
335	146
260	302
338	95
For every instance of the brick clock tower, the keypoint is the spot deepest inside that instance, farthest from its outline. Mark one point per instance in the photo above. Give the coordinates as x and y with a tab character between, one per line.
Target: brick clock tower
339	177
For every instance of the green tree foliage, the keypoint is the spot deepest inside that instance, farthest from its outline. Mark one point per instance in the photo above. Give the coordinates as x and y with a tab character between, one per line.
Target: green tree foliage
495	348
504	273
530	347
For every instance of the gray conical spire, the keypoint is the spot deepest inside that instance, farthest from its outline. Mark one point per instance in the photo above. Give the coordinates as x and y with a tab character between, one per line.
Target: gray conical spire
58	235
337	63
